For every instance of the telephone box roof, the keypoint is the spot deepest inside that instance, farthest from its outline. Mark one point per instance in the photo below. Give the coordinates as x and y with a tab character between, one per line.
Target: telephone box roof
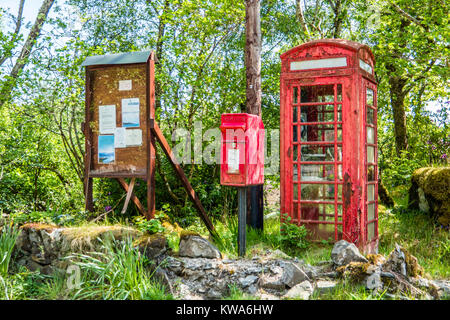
118	58
354	46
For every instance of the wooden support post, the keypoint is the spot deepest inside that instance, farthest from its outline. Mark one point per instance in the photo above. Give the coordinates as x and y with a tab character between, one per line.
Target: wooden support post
184	180
129	193
132	196
151	143
88	183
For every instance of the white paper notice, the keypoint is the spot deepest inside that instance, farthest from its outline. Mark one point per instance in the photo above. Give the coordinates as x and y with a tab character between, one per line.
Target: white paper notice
133	137
107	119
130	113
233	160
125	85
119	138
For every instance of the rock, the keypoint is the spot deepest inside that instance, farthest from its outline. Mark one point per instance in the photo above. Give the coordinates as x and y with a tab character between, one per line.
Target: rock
197	247
302	290
323	286
152	246
345	252
292	274
271	282
402	262
430	192
247	281
311	271
443	288
373	282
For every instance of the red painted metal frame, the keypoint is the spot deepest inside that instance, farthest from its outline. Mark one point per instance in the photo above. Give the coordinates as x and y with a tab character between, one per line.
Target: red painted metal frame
349	202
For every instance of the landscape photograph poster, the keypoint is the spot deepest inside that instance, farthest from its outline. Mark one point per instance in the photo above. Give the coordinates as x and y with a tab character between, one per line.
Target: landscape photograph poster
130	113
106	152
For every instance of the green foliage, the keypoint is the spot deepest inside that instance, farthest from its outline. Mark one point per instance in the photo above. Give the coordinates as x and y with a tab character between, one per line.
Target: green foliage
398	170
117	273
292	235
8	237
149	226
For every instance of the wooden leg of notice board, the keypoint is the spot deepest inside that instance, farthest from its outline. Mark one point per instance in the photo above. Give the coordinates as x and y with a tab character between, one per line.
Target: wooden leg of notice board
89	203
129	193
136	201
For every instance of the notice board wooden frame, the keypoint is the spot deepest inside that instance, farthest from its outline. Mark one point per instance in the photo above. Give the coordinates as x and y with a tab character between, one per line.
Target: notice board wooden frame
103	74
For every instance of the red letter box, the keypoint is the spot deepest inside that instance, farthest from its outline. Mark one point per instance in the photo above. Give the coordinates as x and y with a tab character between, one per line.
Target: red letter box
242	150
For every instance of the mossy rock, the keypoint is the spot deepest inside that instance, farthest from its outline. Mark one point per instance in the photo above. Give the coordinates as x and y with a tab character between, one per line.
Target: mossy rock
354	271
39	226
188	233
413	269
430	192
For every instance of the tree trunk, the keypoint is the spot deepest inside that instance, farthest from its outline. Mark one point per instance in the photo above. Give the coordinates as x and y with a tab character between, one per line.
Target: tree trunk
397	95
253	56
255	209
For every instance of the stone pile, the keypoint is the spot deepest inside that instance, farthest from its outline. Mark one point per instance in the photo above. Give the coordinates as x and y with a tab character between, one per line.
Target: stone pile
199	271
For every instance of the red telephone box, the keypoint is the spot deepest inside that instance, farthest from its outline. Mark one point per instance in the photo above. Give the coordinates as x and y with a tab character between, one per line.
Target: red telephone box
242	150
328	129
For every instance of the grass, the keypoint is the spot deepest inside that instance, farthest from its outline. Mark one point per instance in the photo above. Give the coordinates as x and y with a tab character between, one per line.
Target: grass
8	237
117	273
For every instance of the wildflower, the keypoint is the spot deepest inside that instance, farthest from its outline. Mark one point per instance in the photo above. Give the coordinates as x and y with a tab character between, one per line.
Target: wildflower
108	208
444	156
429	142
433	147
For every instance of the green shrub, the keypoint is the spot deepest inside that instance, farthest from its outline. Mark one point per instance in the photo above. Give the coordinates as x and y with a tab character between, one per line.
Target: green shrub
149	226
293	236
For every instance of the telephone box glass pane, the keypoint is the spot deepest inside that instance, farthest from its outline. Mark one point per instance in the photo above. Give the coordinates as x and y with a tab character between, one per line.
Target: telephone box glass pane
339	92
317	172
320	113
369	97
370	173
295	97
370	211
295	157
323	93
370	154
294	115
317	212
319	192
318	153
370	192
315	132
295	172
295	191
371	231
370	135
294	133
370	116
